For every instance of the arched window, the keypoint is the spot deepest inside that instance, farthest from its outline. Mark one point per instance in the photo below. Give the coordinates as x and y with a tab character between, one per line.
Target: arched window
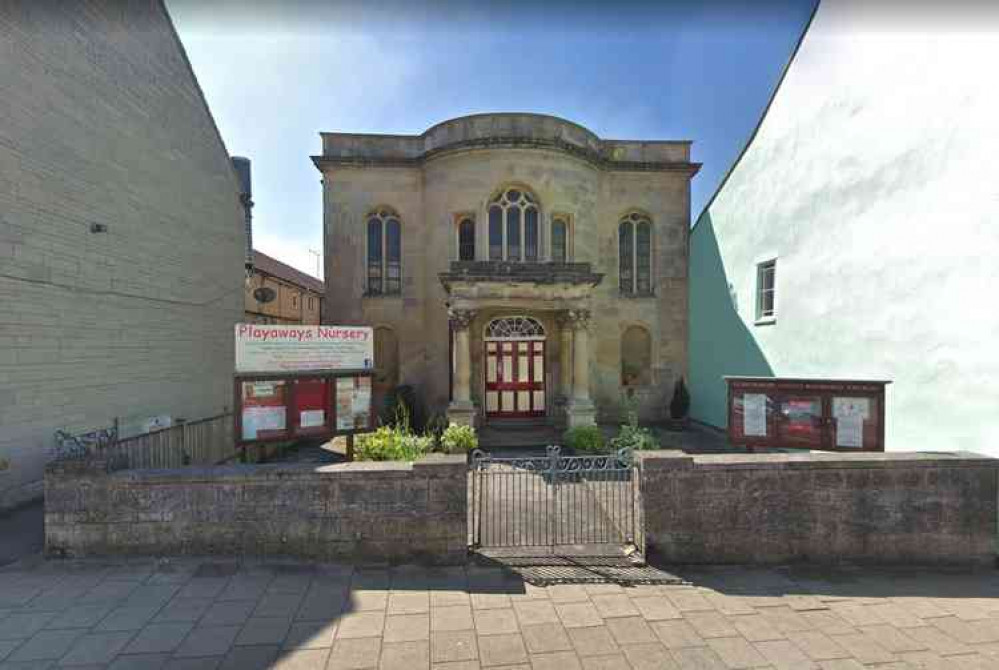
384	252
513	226
636	357
466	240
634	238
560	239
515	328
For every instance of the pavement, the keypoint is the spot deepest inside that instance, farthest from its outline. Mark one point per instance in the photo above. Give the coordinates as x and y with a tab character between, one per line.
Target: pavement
213	613
22	532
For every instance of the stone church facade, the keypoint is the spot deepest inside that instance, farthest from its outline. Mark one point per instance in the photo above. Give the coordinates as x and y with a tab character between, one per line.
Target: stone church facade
514	266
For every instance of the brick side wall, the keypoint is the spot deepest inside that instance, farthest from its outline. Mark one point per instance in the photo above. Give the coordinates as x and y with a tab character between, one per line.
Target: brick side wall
103	122
396	512
903	508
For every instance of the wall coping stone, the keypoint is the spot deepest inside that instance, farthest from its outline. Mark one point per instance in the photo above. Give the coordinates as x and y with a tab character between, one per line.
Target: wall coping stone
806	461
435	464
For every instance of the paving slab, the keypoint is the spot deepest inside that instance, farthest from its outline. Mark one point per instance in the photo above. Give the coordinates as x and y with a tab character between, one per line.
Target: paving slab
355	653
45	645
453	646
501	650
150	614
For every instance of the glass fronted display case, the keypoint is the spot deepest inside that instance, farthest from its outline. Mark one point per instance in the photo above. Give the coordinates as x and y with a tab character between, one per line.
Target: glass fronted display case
820	414
281	407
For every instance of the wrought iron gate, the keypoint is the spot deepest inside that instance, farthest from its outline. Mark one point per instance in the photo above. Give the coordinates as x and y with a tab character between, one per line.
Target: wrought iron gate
554	500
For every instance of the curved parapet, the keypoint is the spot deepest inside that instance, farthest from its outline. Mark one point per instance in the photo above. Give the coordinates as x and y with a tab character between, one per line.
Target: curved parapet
503	130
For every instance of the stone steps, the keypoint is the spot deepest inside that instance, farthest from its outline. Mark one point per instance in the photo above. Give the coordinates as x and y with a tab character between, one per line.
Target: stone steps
518	434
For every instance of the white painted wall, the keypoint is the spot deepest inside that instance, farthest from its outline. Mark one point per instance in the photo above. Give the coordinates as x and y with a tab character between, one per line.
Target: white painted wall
875	181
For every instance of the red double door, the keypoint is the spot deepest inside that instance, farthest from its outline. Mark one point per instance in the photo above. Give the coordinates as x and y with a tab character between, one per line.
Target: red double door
515	378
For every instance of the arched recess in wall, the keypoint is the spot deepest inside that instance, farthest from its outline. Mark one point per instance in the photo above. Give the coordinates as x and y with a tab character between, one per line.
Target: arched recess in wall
386	374
636	357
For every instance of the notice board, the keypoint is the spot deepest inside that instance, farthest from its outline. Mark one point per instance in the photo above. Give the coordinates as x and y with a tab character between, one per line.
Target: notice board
820	414
271	408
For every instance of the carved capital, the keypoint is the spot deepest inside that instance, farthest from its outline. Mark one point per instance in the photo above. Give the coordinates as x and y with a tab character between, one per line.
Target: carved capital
578	319
461	319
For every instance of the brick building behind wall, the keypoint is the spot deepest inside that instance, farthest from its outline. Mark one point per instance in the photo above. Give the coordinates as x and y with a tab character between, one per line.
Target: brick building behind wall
121	233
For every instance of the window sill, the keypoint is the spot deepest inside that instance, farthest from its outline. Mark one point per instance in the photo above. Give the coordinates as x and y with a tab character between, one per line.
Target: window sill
636	296
376	296
766	321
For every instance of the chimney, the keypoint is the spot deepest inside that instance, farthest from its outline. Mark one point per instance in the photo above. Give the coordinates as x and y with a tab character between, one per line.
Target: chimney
242	167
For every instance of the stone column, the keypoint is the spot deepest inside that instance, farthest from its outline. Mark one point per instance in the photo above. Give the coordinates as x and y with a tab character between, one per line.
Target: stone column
580	411
461	410
564	366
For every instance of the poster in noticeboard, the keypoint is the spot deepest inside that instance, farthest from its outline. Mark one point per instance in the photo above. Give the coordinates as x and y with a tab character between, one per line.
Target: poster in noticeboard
264	409
353	403
850	414
754	417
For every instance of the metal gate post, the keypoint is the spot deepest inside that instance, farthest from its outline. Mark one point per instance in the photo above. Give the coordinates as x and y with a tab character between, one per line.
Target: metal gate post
477	456
553	519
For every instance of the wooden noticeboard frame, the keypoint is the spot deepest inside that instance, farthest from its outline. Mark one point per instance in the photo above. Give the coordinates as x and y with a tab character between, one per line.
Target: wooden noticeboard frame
819	414
292	399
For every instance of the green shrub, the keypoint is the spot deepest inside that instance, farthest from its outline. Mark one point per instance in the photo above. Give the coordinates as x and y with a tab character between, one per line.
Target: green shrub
459	439
436	425
631	435
587	439
392	443
634	437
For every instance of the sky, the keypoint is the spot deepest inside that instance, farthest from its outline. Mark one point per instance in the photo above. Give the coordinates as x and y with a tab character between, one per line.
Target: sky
276	74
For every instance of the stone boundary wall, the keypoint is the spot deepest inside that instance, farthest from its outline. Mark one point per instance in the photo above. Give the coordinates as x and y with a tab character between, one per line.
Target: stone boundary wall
876	508
365	512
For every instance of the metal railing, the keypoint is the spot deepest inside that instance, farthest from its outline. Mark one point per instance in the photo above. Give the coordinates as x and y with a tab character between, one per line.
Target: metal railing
202	442
553	500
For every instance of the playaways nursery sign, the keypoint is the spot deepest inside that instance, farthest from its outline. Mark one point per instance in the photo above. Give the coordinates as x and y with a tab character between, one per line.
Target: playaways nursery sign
271	348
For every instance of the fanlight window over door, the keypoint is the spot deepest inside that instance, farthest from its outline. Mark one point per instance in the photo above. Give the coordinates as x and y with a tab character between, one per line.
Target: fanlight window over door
513	226
515	328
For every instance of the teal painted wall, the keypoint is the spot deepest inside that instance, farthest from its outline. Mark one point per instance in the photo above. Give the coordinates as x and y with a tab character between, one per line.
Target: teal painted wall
871	181
720	343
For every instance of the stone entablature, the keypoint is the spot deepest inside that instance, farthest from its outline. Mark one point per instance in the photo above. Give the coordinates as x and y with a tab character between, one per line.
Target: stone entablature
507	271
492	131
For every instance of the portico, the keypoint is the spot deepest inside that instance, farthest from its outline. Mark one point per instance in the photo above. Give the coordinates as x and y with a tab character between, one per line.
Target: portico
520	342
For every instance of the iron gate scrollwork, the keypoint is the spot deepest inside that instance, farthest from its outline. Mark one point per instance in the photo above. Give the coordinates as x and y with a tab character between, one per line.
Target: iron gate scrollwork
554	500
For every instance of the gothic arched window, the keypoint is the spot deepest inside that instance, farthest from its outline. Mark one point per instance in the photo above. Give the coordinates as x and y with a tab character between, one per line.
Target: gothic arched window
513	226
384	252
634	238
